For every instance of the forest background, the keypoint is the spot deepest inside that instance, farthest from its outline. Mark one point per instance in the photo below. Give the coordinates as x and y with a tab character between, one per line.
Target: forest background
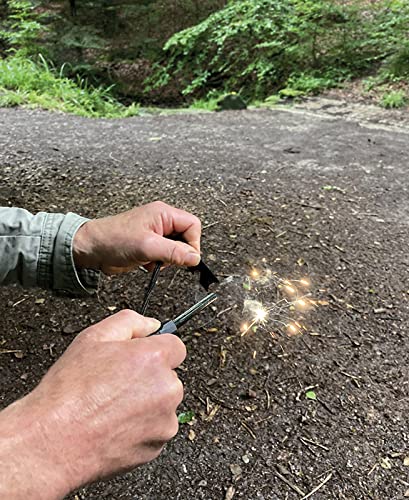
109	57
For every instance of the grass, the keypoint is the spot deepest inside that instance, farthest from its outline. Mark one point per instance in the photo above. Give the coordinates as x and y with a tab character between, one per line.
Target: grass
209	104
24	82
394	99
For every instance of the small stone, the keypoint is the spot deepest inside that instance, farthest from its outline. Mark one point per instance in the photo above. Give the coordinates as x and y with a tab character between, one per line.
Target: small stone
230	493
245	459
236	470
203	483
252	393
70	329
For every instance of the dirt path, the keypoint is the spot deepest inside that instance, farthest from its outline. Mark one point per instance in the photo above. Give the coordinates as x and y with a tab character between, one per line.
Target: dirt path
310	192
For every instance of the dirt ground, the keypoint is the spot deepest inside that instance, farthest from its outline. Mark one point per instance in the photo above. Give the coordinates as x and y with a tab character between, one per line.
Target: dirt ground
313	193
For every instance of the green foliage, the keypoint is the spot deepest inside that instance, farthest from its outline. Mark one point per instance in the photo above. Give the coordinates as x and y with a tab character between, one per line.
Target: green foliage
398	64
311	395
256	47
186	417
310	84
206	104
22	28
290	93
24	82
394	99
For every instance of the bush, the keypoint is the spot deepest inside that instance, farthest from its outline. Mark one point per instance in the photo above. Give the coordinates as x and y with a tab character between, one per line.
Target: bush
255	46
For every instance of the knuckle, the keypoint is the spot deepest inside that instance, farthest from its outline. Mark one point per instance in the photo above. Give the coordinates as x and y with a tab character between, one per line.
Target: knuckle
197	221
178	391
157	357
128	314
172	428
159	205
174	344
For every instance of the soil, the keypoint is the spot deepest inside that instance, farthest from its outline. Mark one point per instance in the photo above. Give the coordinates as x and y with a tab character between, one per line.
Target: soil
314	194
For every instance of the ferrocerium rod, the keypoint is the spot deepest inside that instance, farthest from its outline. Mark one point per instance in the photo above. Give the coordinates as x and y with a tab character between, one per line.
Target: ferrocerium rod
173	325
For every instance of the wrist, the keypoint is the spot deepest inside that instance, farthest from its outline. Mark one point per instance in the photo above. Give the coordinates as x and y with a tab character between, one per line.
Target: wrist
83	248
32	463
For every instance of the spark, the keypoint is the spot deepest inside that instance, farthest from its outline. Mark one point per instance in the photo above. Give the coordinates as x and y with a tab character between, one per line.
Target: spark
244	328
261	315
292	328
283	302
254	273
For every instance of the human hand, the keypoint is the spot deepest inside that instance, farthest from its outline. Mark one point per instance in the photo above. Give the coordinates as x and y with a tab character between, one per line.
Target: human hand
122	242
106	406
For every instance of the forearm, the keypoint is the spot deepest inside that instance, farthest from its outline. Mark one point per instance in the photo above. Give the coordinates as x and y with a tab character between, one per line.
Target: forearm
30	466
37	250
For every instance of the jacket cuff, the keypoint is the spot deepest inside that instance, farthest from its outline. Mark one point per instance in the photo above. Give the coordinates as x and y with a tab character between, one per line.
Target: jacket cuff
56	264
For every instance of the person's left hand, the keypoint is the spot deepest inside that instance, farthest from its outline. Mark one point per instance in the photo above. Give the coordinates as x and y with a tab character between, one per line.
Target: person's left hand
122	242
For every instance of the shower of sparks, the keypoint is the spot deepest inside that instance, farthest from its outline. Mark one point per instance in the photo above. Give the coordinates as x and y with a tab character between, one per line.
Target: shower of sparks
284	311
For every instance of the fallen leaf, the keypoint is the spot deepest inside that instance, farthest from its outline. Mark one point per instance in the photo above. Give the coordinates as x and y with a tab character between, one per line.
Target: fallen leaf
311	395
406	461
111	308
386	463
185	417
40	301
192	435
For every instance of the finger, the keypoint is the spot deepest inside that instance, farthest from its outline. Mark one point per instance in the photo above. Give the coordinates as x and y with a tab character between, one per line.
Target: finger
124	325
171	252
171	347
181	222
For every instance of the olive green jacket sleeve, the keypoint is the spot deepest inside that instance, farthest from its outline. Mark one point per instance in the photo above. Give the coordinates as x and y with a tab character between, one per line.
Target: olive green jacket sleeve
36	250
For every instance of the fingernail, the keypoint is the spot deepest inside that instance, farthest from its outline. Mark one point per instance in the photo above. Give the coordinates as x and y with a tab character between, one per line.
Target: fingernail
153	324
192	259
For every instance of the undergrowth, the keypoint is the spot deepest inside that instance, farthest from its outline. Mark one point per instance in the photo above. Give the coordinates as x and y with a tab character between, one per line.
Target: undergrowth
260	47
37	84
26	78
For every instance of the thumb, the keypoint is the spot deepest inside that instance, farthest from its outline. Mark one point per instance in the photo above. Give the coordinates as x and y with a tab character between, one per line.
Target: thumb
124	325
172	252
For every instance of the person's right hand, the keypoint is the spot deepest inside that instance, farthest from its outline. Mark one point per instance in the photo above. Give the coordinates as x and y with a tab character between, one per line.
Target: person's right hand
106	406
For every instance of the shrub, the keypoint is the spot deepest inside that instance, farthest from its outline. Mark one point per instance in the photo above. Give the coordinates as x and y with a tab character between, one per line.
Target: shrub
255	46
